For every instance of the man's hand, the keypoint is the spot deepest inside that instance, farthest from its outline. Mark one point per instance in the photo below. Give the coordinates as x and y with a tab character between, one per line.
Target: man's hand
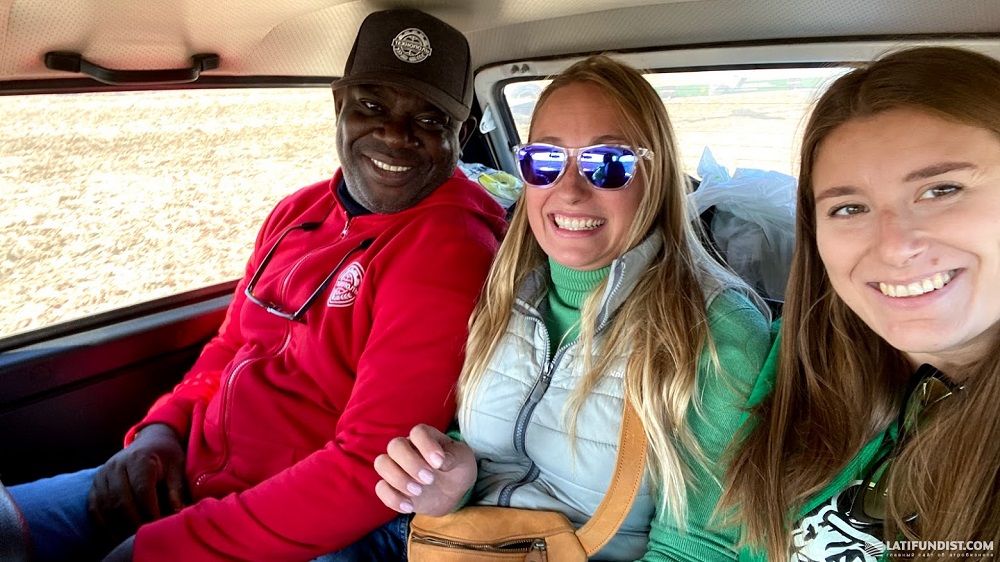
122	553
428	472
131	487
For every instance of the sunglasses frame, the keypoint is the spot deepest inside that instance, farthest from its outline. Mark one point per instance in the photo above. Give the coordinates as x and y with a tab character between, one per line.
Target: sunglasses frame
638	151
299	314
874	486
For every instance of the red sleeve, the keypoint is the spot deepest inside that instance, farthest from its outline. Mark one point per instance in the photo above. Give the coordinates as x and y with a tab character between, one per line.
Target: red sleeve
202	381
406	375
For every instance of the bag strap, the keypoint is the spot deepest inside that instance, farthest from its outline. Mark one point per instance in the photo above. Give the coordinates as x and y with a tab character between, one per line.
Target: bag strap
624	486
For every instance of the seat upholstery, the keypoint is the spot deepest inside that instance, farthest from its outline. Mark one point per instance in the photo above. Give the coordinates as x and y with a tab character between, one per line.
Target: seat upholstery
614	173
14	544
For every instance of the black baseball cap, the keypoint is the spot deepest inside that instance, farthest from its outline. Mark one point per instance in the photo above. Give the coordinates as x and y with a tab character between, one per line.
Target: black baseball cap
416	52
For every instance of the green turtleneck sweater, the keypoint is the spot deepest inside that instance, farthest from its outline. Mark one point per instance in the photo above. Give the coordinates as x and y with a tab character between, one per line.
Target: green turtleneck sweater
569	289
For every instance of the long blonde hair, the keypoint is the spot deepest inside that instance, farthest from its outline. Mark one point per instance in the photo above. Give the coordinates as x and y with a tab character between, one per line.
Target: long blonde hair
663	323
839	384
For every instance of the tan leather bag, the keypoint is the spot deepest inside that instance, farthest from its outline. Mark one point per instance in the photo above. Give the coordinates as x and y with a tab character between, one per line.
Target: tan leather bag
481	533
494	533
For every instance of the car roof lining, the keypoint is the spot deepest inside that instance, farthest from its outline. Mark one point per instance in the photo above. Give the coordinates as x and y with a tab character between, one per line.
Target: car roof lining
313	37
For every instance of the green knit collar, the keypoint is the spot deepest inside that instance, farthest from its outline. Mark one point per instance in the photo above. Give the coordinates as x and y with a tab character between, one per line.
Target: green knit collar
573	285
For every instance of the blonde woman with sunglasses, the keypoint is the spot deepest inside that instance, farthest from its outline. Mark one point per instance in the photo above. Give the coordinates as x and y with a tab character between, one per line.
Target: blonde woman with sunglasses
879	440
600	292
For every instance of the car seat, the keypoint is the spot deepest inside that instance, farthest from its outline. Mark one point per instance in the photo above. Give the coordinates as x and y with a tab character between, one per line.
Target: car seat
614	173
14	544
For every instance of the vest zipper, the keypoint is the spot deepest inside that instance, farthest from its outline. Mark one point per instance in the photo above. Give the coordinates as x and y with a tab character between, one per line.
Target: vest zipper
524	416
538	391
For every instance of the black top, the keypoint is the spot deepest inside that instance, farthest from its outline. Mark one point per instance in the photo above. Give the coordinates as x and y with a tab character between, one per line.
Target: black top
353	208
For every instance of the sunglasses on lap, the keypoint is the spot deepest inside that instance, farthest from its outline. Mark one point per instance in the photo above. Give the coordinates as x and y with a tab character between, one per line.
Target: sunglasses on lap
604	166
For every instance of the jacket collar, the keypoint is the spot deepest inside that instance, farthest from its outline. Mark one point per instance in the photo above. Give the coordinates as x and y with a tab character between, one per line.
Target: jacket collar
626	271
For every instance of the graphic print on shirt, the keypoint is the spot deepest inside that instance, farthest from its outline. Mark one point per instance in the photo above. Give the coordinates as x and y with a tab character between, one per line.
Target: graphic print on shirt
824	535
345	290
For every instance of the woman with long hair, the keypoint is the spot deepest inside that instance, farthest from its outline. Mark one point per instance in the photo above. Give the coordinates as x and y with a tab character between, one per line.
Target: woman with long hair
600	292
879	439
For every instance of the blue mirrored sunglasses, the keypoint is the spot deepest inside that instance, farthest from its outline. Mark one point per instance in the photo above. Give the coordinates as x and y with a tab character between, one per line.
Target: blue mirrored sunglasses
604	166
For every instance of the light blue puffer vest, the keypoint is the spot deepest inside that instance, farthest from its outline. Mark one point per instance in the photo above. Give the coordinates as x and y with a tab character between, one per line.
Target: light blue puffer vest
518	428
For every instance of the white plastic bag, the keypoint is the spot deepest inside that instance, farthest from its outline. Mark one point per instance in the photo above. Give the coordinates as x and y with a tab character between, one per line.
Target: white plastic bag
754	221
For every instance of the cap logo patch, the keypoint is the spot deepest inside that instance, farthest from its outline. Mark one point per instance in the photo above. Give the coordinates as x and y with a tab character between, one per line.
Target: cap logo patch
345	290
411	45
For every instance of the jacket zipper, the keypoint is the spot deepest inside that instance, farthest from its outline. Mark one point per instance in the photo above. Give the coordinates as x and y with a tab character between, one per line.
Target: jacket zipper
230	382
224	412
223	423
226	405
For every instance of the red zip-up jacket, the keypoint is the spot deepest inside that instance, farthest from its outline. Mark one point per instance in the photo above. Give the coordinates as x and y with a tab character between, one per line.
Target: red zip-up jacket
285	418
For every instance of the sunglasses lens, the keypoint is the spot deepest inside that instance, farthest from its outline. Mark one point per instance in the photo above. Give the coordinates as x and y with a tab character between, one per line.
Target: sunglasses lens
875	491
540	165
867	506
608	167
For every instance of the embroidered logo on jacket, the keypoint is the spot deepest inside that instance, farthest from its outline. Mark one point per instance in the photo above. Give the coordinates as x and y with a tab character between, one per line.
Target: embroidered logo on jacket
345	290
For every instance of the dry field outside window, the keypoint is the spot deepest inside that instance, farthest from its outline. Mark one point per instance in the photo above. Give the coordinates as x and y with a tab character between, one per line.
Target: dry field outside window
112	199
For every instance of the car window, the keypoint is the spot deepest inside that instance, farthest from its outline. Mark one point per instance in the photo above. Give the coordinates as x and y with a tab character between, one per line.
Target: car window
116	198
747	118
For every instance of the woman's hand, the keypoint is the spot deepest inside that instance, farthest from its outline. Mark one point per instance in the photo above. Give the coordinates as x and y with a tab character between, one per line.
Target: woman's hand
427	472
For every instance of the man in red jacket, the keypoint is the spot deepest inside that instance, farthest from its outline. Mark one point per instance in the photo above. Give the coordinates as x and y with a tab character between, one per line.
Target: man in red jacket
346	331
